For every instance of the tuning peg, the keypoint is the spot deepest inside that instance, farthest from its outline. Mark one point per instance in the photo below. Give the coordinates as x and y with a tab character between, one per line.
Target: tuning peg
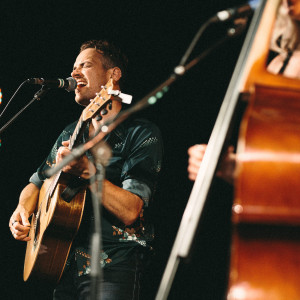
110	105
104	111
98	118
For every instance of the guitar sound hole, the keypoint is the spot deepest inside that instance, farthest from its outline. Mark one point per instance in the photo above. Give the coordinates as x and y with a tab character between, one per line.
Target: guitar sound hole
48	203
36	229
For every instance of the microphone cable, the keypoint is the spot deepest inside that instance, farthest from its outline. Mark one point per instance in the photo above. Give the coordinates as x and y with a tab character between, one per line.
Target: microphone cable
12	97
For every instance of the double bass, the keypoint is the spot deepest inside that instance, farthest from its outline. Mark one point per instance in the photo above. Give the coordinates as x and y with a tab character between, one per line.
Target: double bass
265	243
265	250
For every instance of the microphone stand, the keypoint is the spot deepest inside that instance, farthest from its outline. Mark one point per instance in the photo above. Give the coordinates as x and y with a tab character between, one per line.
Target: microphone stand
101	157
37	96
96	239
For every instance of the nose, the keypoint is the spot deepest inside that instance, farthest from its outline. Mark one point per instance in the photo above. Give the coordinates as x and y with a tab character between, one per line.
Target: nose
76	72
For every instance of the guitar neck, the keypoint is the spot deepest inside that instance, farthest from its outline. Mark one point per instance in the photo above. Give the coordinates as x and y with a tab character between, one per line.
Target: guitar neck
78	133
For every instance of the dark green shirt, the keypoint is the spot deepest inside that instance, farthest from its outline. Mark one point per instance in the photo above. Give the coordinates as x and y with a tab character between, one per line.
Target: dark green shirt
134	166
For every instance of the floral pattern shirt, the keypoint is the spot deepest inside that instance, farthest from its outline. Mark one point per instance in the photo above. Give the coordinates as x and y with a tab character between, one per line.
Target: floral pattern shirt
135	163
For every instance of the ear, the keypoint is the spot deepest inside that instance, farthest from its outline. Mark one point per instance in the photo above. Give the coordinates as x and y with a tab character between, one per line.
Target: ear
116	74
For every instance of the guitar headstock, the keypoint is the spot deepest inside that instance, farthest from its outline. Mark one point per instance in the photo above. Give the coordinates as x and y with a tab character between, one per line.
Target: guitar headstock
102	99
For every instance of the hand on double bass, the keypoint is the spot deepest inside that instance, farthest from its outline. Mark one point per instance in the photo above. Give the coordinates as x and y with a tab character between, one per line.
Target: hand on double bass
226	165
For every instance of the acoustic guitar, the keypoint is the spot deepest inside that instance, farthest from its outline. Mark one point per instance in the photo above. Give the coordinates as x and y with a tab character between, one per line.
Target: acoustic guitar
60	207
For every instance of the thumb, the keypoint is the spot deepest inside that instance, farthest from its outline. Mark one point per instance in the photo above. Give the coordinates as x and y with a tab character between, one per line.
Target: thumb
24	217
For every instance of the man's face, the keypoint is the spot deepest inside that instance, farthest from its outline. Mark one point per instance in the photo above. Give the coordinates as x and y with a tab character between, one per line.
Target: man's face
89	74
293	8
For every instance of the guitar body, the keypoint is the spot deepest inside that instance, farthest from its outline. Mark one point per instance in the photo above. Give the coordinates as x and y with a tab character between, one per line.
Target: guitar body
53	228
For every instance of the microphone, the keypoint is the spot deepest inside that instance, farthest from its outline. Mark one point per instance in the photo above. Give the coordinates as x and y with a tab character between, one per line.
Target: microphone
240	11
69	84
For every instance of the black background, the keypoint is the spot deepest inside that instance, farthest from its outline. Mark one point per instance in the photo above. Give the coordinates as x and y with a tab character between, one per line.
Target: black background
42	39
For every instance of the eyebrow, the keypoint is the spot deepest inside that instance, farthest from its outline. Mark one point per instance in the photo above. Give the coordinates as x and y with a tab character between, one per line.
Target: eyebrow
83	62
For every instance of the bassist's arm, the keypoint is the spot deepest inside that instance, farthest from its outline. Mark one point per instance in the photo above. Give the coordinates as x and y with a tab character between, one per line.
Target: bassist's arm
18	223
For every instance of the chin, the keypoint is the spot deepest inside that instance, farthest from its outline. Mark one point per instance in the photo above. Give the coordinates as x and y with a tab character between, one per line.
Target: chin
81	101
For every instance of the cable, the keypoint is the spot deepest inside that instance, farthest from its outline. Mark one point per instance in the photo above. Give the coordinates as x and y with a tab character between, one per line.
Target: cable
12	97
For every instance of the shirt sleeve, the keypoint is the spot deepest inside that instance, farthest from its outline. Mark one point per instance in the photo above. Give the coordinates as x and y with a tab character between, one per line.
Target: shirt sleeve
142	166
36	180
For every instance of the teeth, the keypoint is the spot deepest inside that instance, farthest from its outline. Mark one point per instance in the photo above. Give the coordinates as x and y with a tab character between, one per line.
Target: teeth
81	83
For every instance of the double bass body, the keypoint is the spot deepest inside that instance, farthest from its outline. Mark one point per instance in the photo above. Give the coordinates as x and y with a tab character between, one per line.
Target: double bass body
265	251
265	259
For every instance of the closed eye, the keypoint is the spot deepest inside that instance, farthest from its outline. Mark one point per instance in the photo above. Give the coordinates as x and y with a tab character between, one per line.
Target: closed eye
85	64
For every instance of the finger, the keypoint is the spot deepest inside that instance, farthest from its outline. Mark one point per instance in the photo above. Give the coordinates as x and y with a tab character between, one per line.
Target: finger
20	229
192	176
197	151
20	233
62	150
67	169
58	154
193	169
192	149
25	239
61	153
22	237
12	221
24	218
195	162
66	143
65	152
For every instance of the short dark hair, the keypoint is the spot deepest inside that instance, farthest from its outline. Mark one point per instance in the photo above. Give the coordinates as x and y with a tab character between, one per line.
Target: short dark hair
111	54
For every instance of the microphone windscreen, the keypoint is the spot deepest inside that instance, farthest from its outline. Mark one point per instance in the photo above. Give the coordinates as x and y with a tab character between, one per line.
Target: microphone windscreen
72	84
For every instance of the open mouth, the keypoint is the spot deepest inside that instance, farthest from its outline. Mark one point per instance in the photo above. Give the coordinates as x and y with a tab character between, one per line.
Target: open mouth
81	84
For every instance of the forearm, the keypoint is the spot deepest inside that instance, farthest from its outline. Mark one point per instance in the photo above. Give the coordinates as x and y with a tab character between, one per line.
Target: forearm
19	223
29	198
125	205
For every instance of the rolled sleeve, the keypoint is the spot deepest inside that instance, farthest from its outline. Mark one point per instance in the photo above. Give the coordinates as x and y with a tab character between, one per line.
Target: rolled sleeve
36	180
138	188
